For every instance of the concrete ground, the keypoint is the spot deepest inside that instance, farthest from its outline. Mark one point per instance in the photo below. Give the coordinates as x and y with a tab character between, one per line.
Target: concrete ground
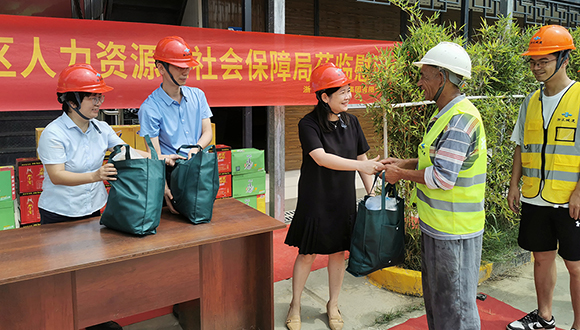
361	302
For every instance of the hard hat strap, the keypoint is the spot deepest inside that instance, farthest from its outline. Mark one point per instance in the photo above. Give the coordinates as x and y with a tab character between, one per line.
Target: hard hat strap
166	66
440	90
78	108
562	57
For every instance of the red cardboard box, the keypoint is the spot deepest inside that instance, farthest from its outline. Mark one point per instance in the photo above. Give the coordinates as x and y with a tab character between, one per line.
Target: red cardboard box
104	207
7	187
224	156
29	207
225	186
30	175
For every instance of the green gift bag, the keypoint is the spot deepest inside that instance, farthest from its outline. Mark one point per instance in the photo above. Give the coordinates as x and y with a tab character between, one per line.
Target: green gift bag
136	197
195	183
378	238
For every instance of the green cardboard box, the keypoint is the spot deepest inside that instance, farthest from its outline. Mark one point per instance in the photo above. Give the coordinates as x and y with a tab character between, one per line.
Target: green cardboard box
247	160
7	191
249	184
7	215
258	202
249	200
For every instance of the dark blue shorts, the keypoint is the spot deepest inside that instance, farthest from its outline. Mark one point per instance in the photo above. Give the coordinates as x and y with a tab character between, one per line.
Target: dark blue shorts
545	228
47	217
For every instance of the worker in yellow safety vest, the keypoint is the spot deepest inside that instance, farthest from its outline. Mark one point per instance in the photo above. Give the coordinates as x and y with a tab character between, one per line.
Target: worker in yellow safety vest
450	176
547	160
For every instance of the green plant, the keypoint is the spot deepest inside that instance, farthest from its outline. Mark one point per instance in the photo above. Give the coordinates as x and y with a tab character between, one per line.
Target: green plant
498	73
393	315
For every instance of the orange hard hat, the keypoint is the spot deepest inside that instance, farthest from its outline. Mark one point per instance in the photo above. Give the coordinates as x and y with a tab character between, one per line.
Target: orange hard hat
328	76
81	78
174	50
550	39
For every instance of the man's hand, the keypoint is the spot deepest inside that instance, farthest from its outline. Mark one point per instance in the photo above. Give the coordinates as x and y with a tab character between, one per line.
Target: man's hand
574	205
514	198
392	161
392	173
170	159
169	200
192	152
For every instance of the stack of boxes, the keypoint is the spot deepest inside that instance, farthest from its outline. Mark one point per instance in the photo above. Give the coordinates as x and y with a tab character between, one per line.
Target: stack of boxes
224	156
7	198
30	178
249	177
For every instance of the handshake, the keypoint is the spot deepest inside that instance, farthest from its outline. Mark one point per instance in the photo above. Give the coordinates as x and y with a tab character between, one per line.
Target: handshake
393	167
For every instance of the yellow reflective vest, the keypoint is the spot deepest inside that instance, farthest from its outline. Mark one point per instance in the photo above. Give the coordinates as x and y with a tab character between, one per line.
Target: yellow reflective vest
459	210
552	155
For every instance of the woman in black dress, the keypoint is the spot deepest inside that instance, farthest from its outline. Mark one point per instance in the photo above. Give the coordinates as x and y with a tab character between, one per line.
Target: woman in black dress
333	148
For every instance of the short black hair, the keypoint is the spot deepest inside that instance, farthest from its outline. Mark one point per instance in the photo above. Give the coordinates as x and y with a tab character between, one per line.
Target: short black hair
64	98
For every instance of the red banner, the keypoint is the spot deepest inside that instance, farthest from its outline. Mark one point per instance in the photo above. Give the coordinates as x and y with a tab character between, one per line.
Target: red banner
237	68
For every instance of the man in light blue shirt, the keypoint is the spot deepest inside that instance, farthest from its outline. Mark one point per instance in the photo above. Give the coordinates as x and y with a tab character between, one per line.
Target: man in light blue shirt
174	114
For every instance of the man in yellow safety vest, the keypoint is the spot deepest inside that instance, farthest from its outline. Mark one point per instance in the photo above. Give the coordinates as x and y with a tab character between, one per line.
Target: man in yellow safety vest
547	159
450	176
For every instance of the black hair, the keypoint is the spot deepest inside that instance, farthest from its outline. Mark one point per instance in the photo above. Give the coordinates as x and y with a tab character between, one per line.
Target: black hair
322	109
64	98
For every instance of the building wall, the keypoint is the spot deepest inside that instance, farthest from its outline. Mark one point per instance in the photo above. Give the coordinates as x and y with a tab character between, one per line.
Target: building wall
292	142
337	18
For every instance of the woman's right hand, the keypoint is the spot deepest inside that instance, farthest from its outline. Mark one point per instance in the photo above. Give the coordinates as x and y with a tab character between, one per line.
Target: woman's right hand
371	166
106	172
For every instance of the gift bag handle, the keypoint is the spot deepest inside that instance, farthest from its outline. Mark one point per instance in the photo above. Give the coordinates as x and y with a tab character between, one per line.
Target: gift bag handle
188	146
117	150
389	190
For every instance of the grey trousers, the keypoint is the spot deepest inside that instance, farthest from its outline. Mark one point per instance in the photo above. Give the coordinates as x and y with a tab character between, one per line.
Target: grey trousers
450	272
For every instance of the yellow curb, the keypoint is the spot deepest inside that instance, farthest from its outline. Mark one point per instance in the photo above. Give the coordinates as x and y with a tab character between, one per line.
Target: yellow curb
409	281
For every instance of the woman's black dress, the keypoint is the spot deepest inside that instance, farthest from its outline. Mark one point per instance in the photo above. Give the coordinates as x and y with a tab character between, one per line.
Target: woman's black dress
326	208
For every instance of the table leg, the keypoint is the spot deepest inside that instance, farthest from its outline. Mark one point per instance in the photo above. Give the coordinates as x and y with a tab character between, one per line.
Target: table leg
237	287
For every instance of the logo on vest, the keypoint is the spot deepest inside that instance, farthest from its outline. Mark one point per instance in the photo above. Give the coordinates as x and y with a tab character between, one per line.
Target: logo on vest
577	223
566	119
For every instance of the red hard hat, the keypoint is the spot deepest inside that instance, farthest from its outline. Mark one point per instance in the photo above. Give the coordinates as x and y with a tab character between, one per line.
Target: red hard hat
81	78
328	76
174	50
550	39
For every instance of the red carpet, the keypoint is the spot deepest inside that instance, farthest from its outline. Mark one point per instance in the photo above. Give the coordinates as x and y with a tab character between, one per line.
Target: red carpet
285	255
494	314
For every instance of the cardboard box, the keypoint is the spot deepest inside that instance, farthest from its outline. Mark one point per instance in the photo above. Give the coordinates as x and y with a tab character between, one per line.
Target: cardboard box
258	202
247	160
30	174
126	133
29	212
225	189
224	156
249	184
7	186
7	215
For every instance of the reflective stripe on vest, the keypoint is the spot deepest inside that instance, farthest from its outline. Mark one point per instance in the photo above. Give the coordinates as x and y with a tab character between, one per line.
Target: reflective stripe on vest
460	210
552	155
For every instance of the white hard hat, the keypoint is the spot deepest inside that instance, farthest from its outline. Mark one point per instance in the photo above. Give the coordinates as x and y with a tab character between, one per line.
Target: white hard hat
450	56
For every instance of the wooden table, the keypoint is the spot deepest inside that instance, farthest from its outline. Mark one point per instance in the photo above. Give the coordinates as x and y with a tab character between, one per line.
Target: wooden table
72	275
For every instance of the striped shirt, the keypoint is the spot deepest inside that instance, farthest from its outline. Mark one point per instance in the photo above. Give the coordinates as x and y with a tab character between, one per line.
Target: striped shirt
455	149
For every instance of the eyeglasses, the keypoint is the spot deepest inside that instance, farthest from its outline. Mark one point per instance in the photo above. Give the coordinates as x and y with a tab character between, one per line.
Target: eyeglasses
540	63
97	99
